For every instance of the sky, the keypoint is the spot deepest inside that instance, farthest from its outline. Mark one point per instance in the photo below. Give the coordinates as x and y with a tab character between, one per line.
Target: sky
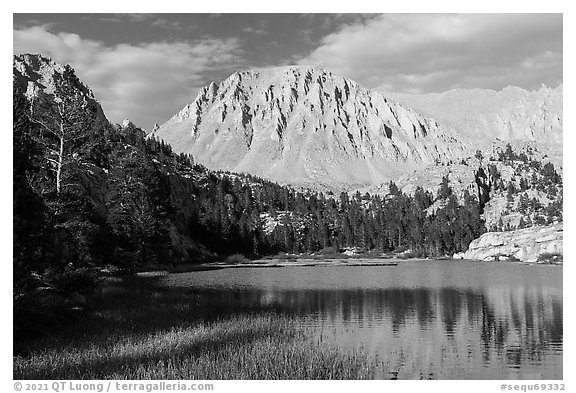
146	67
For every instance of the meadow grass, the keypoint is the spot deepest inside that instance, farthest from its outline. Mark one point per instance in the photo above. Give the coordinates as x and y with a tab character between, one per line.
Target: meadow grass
140	330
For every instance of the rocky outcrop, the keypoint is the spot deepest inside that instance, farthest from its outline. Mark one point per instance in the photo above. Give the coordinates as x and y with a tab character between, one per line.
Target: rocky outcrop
527	245
126	123
40	78
302	125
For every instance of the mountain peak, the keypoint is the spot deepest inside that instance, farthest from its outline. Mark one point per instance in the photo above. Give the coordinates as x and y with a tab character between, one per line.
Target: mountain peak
34	73
37	61
39	78
284	75
301	124
286	69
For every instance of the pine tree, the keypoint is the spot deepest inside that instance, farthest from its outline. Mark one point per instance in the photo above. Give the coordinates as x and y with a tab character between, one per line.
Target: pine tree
510	192
32	248
444	191
523	203
393	189
479	157
500	225
549	174
65	122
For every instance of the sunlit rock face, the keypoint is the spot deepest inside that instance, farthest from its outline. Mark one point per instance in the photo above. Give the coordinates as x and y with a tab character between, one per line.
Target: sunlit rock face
302	125
482	115
40	78
527	245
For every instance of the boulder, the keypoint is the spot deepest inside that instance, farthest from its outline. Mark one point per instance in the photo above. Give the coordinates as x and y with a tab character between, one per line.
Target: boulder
527	245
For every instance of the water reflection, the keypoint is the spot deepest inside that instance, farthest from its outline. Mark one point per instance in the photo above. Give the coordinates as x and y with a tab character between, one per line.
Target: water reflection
430	332
506	325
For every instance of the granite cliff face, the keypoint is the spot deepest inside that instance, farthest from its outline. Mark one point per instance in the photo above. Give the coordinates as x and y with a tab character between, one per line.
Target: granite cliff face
527	245
482	115
306	126
40	79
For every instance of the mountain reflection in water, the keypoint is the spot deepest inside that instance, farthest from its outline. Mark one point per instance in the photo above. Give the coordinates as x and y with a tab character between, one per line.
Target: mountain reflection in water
442	332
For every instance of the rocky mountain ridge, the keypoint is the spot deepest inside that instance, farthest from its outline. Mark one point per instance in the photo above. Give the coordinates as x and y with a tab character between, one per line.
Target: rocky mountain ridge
483	115
301	125
40	79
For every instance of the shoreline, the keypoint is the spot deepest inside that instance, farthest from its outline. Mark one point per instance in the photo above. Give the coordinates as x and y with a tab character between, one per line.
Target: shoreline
275	263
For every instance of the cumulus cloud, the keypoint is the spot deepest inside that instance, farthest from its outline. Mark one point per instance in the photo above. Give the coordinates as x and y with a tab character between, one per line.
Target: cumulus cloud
146	83
430	52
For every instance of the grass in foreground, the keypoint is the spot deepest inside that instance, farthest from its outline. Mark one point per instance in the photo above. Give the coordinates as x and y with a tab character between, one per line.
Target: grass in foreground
150	333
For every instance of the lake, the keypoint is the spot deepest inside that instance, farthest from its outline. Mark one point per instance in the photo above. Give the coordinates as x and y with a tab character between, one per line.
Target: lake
422	319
